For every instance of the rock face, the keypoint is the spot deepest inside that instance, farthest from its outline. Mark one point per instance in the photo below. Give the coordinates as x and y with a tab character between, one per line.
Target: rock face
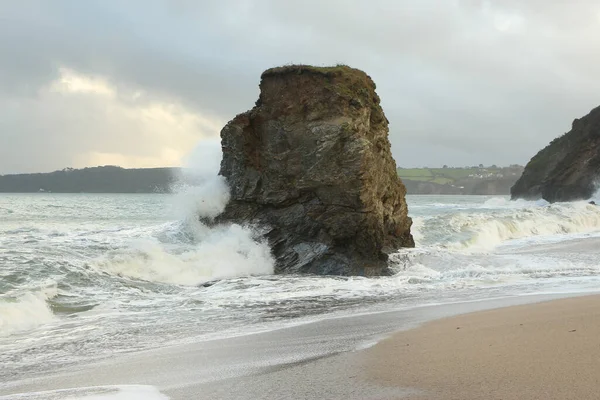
568	168
311	164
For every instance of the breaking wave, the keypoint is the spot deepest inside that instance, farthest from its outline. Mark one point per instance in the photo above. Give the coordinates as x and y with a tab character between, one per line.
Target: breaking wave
223	252
26	310
191	252
500	221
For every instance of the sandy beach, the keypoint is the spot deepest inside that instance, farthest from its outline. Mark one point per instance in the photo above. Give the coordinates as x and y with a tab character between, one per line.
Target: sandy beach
548	350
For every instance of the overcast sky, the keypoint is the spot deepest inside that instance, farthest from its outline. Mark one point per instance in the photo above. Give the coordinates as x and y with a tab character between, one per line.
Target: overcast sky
141	83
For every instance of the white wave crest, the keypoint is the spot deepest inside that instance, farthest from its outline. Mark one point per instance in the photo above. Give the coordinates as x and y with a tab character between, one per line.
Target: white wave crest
26	310
559	219
482	231
503	202
223	252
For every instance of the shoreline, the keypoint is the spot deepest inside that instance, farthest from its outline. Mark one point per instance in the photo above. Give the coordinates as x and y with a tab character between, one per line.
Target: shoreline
298	357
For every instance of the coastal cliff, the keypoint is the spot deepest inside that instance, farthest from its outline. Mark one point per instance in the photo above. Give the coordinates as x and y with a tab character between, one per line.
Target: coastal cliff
566	169
311	164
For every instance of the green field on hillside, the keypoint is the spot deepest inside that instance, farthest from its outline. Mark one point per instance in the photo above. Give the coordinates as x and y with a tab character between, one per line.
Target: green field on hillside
476	180
445	175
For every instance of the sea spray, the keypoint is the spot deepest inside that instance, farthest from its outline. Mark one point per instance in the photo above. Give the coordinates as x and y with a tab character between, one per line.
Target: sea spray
596	196
220	252
416	230
199	191
204	201
191	251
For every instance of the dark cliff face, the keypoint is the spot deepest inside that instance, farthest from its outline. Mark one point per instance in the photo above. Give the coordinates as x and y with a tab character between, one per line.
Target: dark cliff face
311	164
568	168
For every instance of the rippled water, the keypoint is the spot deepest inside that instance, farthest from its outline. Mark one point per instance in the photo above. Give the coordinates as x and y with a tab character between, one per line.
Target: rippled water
84	276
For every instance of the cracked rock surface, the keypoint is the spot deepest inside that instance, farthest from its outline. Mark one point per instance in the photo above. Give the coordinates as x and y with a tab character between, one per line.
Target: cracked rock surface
311	165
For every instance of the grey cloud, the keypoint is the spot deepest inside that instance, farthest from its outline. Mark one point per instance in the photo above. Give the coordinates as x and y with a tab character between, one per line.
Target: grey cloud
455	87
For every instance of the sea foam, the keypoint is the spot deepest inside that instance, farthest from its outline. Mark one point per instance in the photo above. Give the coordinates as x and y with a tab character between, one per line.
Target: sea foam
222	252
120	392
26	310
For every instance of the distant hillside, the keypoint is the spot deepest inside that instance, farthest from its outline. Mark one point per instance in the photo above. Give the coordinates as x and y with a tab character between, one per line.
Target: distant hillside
107	179
111	179
476	180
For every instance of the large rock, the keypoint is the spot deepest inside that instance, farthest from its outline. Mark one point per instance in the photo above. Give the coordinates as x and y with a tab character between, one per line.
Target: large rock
567	169
311	165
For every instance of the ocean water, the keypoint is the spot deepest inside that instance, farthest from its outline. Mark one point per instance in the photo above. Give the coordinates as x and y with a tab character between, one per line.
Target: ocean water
85	276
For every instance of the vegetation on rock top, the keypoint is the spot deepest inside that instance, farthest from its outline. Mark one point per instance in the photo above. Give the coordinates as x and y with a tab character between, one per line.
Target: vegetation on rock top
346	81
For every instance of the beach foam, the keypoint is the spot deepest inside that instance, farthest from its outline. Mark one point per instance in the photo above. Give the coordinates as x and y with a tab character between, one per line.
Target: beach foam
121	392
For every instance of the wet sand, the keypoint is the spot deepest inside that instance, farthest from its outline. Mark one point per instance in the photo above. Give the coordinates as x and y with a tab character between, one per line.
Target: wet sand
540	351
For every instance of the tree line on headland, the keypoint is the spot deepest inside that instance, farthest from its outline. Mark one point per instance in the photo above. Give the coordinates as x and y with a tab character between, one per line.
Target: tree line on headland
106	179
112	179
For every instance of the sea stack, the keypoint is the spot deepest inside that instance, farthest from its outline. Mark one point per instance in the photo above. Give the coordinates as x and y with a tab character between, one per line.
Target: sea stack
568	168
311	166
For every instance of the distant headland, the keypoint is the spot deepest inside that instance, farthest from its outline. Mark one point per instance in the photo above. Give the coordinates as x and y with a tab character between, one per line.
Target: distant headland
475	180
105	179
